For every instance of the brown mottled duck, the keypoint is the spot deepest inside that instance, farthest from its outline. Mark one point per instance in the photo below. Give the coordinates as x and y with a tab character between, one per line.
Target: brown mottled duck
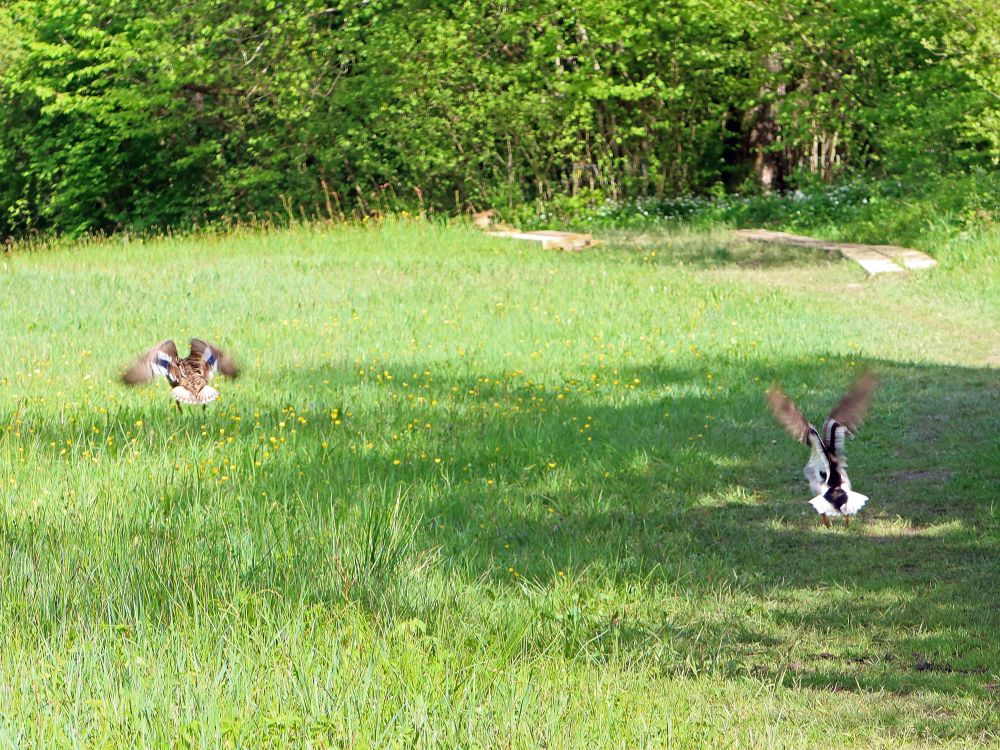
188	376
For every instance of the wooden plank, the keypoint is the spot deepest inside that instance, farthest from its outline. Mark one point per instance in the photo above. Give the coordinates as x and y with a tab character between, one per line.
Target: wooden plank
873	258
568	240
873	262
550	239
766	235
547	243
913	259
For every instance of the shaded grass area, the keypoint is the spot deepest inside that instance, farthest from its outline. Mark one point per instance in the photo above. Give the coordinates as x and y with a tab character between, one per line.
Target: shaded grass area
468	493
936	213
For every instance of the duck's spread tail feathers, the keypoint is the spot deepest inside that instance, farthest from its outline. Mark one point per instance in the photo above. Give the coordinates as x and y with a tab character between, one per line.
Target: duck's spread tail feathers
823	506
206	395
855	501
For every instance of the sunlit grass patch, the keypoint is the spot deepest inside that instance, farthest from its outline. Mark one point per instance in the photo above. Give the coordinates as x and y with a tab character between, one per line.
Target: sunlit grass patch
469	493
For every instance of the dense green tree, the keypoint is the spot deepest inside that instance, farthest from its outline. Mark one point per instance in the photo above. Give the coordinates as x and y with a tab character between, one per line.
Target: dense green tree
127	113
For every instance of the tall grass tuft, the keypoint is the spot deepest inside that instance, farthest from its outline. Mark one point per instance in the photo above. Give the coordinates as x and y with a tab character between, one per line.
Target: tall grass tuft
372	554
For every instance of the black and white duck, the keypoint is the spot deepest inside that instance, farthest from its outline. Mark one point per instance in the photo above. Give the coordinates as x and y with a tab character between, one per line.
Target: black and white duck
188	376
827	467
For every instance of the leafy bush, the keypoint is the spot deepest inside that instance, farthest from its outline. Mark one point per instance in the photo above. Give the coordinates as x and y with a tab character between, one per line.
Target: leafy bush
124	114
860	210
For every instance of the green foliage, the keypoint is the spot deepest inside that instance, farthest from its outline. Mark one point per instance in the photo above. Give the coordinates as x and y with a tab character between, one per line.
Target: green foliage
120	113
966	33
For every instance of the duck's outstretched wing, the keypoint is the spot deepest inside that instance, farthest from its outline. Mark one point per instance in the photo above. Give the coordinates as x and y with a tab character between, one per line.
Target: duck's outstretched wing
214	357
847	415
157	361
788	414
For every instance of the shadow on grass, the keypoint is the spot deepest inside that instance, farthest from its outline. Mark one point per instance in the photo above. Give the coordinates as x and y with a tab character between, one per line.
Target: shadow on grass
716	250
683	492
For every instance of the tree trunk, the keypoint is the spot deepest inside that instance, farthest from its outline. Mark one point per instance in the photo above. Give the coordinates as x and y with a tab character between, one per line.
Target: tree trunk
765	133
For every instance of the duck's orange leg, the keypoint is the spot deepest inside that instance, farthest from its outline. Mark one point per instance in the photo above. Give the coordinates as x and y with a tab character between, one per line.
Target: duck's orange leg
178	405
826	520
847	520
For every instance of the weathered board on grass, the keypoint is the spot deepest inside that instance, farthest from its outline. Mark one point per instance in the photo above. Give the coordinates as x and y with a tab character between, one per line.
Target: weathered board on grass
550	239
873	258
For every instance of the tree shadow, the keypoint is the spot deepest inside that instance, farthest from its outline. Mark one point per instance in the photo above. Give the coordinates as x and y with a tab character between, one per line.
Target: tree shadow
715	250
684	489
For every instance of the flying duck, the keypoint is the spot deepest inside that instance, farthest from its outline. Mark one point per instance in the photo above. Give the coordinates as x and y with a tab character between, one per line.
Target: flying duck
827	467
188	376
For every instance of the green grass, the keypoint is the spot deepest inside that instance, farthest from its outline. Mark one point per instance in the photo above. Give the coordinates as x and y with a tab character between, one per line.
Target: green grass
470	494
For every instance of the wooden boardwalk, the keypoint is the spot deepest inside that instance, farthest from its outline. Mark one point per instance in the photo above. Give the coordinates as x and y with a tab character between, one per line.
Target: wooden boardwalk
873	258
549	239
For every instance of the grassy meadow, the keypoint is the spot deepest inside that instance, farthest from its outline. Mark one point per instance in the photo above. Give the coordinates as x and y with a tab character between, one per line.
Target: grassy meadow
467	493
